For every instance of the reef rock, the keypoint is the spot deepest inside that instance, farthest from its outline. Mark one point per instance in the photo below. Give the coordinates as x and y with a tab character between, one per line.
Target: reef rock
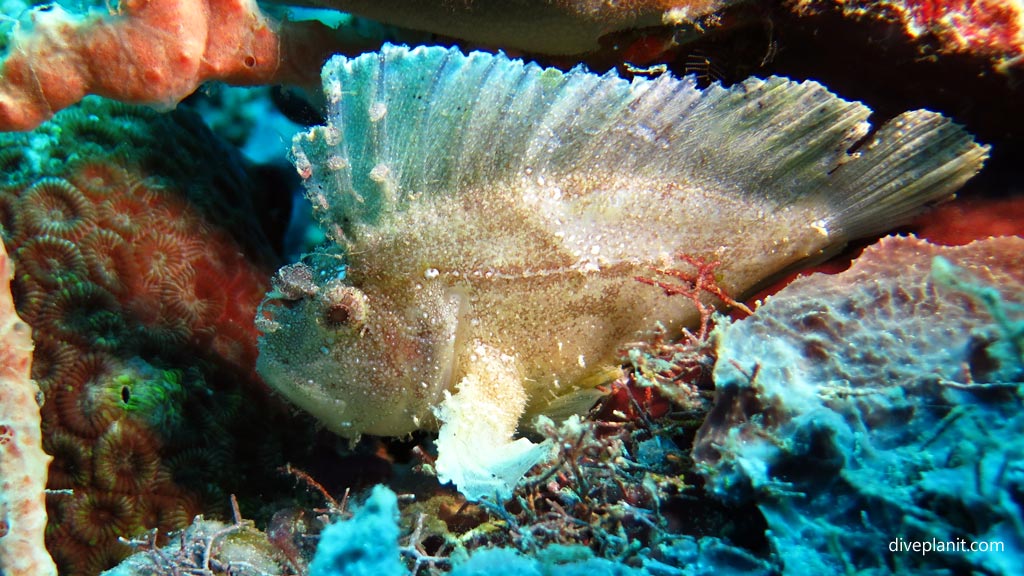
489	218
877	410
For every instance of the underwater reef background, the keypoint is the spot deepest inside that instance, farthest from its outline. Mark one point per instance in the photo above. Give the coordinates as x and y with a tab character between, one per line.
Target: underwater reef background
877	402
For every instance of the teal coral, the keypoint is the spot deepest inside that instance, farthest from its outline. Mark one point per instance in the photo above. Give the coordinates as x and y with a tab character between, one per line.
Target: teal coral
366	545
1006	349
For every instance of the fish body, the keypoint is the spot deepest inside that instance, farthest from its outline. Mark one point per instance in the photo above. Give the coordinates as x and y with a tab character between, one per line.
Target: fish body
489	219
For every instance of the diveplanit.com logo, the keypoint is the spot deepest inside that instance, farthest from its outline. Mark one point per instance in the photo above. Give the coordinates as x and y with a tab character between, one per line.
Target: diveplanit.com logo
934	545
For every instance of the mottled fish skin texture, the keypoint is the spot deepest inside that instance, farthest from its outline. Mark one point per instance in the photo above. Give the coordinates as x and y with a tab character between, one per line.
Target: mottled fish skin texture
488	217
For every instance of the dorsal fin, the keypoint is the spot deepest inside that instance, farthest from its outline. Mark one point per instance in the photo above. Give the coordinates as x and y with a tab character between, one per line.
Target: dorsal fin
430	120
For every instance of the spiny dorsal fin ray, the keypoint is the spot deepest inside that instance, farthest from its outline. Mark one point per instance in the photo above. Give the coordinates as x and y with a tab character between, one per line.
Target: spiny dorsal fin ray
436	121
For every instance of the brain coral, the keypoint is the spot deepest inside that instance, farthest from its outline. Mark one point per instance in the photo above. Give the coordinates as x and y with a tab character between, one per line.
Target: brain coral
139	268
878	407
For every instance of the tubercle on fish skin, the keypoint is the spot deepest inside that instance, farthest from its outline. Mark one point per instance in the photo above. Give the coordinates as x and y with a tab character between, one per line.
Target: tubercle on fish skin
302	163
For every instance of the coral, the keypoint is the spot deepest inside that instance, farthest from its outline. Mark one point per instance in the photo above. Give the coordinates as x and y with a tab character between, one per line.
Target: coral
83	408
52	261
881	406
54	207
366	544
72	460
206	547
140	278
991	29
22	460
126	239
157	53
126	458
69	554
161	51
604	179
100	516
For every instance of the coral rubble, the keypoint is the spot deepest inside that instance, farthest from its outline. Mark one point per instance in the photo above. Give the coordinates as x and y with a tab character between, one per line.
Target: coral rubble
489	218
879	406
367	543
207	547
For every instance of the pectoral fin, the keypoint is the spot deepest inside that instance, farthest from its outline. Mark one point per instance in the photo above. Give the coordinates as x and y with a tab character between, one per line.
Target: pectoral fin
475	447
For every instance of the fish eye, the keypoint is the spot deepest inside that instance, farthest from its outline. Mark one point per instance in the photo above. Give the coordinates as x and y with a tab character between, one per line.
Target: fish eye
344	307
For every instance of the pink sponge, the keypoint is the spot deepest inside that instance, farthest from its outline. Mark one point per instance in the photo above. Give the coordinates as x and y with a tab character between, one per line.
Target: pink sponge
22	460
148	53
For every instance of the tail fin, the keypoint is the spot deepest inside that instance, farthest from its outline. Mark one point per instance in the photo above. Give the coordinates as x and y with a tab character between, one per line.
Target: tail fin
914	160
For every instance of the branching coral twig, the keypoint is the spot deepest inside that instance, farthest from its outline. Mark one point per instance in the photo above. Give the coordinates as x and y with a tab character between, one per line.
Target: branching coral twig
416	550
201	550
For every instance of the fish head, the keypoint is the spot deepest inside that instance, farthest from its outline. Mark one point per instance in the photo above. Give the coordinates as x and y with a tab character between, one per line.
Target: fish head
360	358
